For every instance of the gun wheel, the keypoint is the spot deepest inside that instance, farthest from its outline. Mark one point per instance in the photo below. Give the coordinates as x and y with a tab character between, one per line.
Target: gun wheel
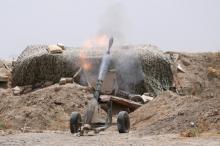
123	122
75	122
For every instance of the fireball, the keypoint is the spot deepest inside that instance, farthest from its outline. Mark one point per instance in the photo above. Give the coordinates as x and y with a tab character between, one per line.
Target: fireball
91	45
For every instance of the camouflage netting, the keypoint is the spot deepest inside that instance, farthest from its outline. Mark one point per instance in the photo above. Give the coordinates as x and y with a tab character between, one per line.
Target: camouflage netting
139	68
157	69
36	65
146	66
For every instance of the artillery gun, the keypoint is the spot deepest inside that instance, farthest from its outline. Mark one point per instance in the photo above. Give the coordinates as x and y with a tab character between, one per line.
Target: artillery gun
79	125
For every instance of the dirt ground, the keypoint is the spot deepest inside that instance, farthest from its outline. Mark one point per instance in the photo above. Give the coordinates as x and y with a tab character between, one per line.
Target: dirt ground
106	138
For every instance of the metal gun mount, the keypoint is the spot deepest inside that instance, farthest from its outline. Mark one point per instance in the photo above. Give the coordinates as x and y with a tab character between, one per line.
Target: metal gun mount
123	121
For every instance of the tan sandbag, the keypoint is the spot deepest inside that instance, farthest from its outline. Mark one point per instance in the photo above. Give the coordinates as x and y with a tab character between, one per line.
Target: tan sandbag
4	78
16	90
61	46
146	98
69	80
54	49
62	81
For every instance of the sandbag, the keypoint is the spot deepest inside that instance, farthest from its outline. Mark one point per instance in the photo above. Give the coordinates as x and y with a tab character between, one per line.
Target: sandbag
54	49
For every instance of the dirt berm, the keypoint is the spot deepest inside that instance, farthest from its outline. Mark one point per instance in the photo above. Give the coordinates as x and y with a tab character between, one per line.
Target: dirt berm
48	108
198	108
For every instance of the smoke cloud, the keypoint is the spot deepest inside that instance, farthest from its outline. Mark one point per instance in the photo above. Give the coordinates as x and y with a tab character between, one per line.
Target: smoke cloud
129	69
114	23
125	60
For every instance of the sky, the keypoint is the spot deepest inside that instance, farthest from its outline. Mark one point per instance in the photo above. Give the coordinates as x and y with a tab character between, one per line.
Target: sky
177	25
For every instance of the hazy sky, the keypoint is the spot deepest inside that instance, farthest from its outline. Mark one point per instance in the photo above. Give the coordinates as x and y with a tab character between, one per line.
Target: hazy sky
182	25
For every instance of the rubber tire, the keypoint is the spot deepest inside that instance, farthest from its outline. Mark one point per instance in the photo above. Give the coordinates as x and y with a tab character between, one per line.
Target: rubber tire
75	122
123	122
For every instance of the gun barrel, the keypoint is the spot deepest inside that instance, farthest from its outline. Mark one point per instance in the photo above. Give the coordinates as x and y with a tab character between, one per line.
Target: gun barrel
104	66
110	44
106	60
